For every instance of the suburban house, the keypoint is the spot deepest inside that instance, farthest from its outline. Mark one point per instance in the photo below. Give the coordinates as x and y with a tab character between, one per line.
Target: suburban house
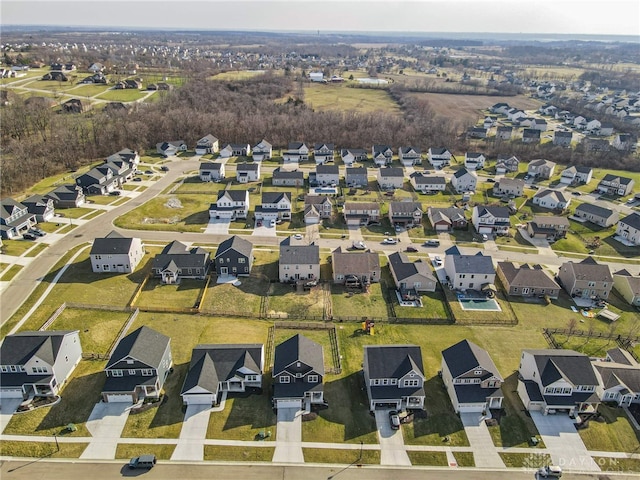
619	377
127	155
235	150
327	175
275	206
15	219
410	156
390	177
247	172
615	185
122	170
489	122
356	177
601	216
207	144
500	108
317	208
541	169
411	277
352	155
230	204
405	213
551	199
557	381
508	187
623	142
211	172
287	178
262	151
488	219
474	160
361	213
297	152
382	155
138	367
468	272
37	363
629	228
550	227
507	163
67	196
40	206
362	268
586	279
576	174
530	135
439	157
471	378
562	138
447	219
216	370
98	181
394	377
539	124
503	132
596	144
526	281
177	261
464	180
323	153
115	254
548	109
171	148
234	257
627	286
516	114
75	105
428	183
298	374
606	129
298	261
477	132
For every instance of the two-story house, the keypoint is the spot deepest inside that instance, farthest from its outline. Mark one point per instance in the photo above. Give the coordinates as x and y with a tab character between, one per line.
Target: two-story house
287	178
468	272
526	281
296	152
275	206
317	208
464	180
562	138
551	199
216	370
323	153
623	142
40	206
248	172
351	155
37	363
551	227
234	257
507	163
67	196
586	279
132	157
530	135
503	132
355	268
390	177
488	219
471	378
356	177
405	213
615	185
138	367
173	147
394	377
474	160
263	150
298	261
627	286
235	150
410	277
510	187
361	213
602	216
439	157
410	156
557	381
576	174
97	181
447	219
115	254
327	175
211	171
541	169
15	219
298	374
428	183
477	132
382	155
207	144
230	204
628	229
619	377
177	261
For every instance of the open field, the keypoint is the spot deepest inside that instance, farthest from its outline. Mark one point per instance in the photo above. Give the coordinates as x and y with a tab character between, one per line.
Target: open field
177	295
192	215
242	300
125	95
341	97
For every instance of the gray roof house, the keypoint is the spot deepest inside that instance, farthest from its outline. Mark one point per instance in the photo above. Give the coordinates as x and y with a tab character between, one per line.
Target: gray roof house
323	153
363	268
602	216
541	169
471	378
274	206
356	177
177	261
619	380
248	172
115	254
586	279
298	374
217	370
507	163
207	144
15	219
394	377
468	272
326	175
138	367
439	157
447	219
488	219
230	204
296	152
411	277
551	199
298	261
615	185
562	138
284	178
464	180
508	186
526	281
262	151
41	206
390	177
628	229
551	227
405	213
627	286
382	155
235	150
530	135
171	148
67	196
211	171
317	208
410	156
234	256
37	363
428	183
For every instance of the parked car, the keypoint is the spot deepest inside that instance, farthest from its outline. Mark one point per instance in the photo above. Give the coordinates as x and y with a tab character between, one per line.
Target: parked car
137	179
552	471
272	223
143	461
359	245
164	168
411	249
389	241
38	232
485	237
394	420
115	193
29	236
432	243
437	260
148	172
576	193
490	180
298	236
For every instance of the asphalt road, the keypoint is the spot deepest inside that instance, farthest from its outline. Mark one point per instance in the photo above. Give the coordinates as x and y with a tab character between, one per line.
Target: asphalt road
64	470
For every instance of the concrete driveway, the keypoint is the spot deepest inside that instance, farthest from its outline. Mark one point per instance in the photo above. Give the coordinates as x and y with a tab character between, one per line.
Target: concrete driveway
9	407
289	436
105	424
392	449
264	231
218	226
484	452
563	442
194	431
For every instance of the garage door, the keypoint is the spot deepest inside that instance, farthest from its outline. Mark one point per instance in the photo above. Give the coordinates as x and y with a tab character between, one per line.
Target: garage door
289	404
119	398
11	393
387	405
474	408
199	399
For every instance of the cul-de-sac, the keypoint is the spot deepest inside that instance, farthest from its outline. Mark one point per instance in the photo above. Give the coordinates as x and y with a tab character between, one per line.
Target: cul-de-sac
264	249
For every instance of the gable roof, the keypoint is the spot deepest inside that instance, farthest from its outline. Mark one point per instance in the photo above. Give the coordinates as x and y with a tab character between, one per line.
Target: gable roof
298	348
234	195
328	169
633	220
477	264
144	344
278	173
420	179
298	254
438	151
404	207
349	263
465	356
526	276
498	212
462	172
594	209
610	177
392	361
19	348
391	172
247	167
113	244
448	214
554	365
177	253
210	166
239	244
403	268
589	269
557	195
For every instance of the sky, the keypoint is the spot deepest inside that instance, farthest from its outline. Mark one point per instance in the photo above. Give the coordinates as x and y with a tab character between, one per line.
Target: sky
588	17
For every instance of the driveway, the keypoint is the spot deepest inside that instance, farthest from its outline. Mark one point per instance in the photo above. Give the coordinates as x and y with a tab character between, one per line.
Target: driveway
563	442
484	452
264	231
9	407
355	235
289	436
392	449
218	226
105	424
194	431
313	233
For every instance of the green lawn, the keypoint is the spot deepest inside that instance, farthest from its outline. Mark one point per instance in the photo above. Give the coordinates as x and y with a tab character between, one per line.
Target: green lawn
41	449
125	95
358	305
238	454
332	455
178	295
244	418
70	213
16	248
431	459
9	274
37	248
130	450
156	214
582	237
241	300
432	307
284	300
626	465
525	460
102	199
464	459
505	315
195	185
341	97
615	434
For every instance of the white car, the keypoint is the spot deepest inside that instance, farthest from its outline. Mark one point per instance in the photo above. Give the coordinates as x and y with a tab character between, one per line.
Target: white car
297	236
550	471
437	260
359	245
272	223
389	241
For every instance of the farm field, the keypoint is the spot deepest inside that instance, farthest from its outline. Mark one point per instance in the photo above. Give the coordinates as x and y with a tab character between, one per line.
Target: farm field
343	98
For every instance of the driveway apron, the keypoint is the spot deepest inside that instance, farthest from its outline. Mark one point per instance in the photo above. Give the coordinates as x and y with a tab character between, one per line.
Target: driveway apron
563	442
9	407
484	452
105	424
289	436
218	226
194	431
392	449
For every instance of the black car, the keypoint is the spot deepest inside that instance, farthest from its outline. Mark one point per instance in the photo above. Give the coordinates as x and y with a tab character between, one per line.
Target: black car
29	236
412	249
164	168
577	194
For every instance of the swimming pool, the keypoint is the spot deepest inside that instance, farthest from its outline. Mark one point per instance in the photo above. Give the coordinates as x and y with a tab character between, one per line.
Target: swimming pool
487	305
326	191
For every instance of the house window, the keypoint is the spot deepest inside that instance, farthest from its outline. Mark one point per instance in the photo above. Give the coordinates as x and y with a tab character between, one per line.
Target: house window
394	381
129	361
147	372
385	381
284	379
116	373
411	383
592	284
132	371
4	369
221	260
13	368
375	382
477	372
241	260
312	378
251	378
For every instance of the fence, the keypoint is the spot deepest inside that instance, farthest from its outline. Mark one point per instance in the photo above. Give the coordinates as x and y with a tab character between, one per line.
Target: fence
625	343
53	317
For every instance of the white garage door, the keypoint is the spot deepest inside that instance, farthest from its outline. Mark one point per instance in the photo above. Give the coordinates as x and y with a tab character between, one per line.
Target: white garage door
198	399
289	404
119	398
11	393
473	408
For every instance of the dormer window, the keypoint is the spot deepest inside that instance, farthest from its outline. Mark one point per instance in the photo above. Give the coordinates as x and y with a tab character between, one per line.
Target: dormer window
477	372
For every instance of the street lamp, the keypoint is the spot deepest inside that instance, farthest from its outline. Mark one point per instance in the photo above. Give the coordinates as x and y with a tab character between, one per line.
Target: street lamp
56	439
350	465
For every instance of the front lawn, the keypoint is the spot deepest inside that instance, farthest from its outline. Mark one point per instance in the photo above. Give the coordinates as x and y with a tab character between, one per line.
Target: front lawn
15	248
244	418
431	459
130	450
525	460
614	434
333	455
238	454
9	274
42	449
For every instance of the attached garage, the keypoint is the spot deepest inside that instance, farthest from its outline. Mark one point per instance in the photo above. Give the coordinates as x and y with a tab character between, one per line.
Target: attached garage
289	404
118	398
471	407
386	405
14	392
202	399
